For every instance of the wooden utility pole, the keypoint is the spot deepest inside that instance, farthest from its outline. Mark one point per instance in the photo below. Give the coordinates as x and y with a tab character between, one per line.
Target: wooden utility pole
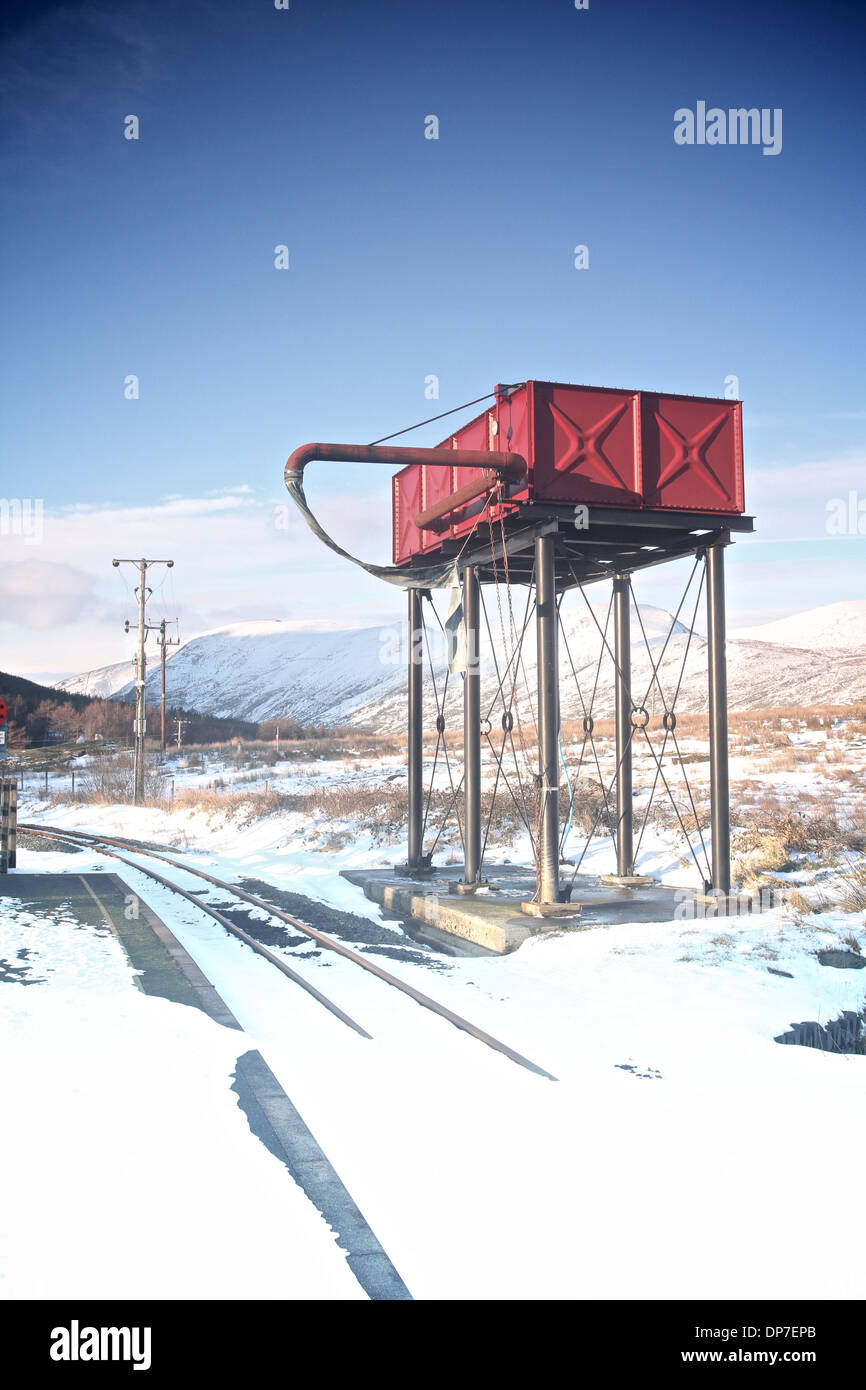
164	642
142	593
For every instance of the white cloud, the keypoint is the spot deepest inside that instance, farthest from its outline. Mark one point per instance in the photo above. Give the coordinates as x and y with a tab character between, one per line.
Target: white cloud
41	594
231	562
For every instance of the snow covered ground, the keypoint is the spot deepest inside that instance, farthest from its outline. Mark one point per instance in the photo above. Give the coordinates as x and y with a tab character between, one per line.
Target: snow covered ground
128	1169
682	1153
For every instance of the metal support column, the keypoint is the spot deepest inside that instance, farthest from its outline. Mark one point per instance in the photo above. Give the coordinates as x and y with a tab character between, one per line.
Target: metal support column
472	729
548	720
718	690
416	672
622	681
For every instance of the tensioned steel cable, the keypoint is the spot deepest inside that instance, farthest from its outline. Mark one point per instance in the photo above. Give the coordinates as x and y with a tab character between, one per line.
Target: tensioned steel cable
441	741
671	710
499	757
488	395
508	705
629	740
588	733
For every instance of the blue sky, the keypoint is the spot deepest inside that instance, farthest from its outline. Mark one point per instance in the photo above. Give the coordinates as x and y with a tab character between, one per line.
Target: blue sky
408	257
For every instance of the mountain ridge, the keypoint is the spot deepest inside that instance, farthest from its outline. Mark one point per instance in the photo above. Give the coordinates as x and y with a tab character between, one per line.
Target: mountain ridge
267	669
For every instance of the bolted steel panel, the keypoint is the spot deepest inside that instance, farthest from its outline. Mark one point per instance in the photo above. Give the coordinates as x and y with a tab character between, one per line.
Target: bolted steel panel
476	435
597	445
586	445
436	483
407	502
692	453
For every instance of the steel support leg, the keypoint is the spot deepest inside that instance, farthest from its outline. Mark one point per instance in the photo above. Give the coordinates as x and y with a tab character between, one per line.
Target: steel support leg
718	690
624	798
416	731
548	720
472	729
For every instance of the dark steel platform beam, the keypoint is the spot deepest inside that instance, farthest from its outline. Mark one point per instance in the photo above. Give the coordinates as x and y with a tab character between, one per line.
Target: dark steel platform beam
583	557
416	730
472	729
622	687
639	517
718	690
548	719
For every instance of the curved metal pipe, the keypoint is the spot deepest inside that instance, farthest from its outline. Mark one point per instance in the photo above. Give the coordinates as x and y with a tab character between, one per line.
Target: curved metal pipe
509	467
433	518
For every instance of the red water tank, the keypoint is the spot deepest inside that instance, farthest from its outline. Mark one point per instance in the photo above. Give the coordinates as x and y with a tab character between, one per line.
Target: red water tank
584	444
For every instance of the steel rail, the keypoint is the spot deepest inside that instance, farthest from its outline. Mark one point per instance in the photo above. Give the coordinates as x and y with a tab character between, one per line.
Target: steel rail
71	838
328	942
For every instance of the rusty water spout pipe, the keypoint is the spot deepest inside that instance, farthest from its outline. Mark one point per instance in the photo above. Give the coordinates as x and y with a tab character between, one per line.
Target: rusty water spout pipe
433	519
508	467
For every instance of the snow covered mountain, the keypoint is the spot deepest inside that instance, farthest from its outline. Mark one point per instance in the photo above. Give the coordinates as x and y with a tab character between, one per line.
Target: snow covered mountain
832	627
261	670
104	682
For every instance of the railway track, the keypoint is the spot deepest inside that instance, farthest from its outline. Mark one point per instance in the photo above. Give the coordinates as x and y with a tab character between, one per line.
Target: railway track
112	847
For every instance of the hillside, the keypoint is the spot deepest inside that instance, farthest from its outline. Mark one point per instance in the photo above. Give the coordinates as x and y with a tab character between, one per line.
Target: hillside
30	693
264	670
832	627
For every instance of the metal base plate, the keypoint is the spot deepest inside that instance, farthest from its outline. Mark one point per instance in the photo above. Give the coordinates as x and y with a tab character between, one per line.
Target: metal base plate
551	909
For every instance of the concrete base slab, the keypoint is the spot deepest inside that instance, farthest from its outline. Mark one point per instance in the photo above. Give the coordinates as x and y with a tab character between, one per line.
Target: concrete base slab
492	920
736	904
495	920
479	918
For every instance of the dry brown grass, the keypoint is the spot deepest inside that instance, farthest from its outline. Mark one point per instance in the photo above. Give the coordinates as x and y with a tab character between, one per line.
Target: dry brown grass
110	778
242	806
799	904
853	898
755	854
